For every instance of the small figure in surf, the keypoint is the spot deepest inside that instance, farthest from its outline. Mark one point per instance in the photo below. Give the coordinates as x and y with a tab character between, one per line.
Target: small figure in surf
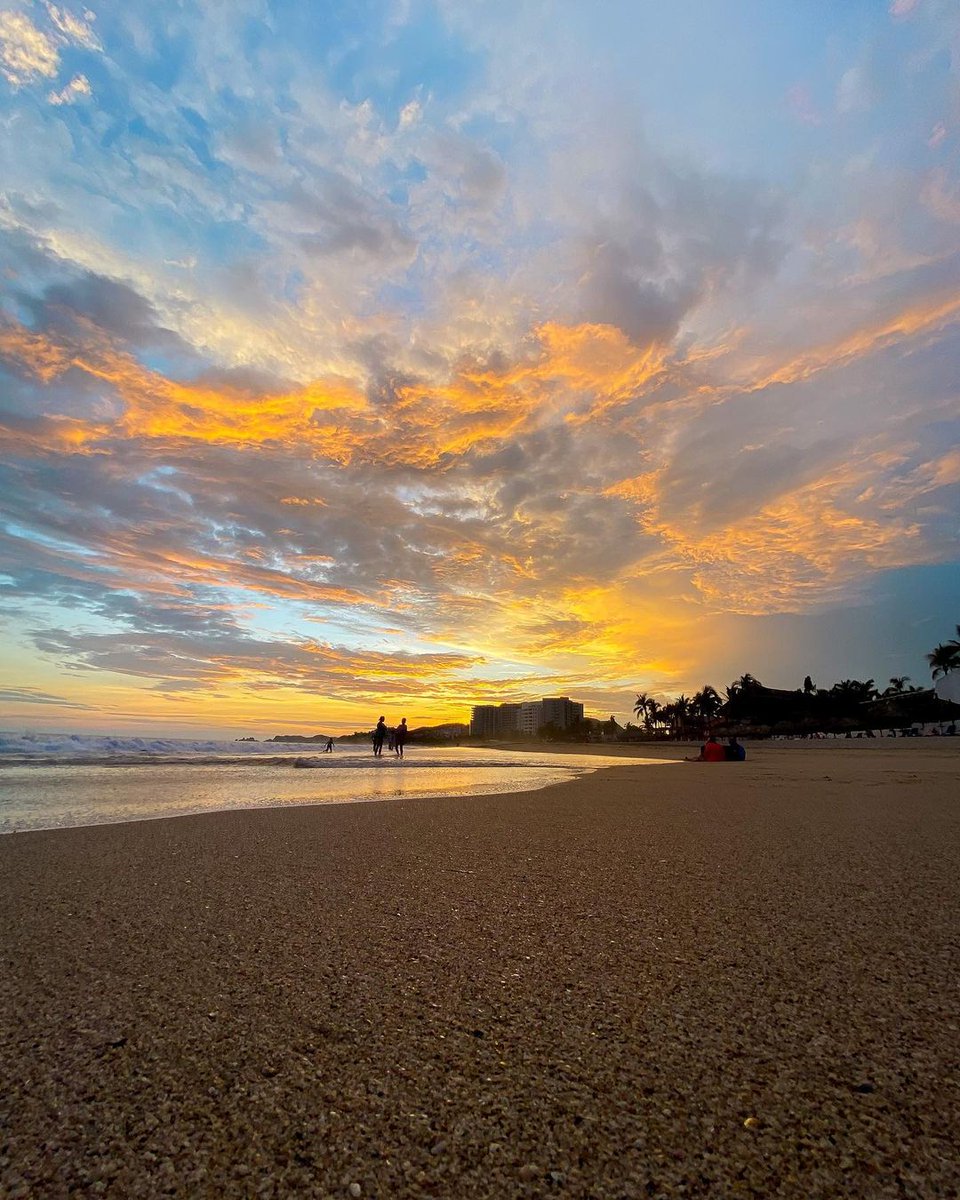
378	737
400	736
328	748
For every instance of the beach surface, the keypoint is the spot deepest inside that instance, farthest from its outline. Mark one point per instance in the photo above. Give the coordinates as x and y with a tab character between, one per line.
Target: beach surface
667	980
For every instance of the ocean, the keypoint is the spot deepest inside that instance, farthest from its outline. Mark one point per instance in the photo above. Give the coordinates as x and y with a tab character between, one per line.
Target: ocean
57	781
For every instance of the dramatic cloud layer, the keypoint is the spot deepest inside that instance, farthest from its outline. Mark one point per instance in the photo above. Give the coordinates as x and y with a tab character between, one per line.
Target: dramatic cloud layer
436	355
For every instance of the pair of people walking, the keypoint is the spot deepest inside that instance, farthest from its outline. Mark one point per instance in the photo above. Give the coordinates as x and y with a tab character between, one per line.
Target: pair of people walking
395	738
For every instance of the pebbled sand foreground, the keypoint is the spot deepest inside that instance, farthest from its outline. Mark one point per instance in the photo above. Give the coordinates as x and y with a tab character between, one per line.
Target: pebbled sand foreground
659	981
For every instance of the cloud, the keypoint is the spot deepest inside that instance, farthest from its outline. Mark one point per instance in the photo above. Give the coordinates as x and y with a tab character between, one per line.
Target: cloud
88	304
938	134
78	30
78	86
411	114
673	243
471	175
29	695
509	479
336	217
26	52
238	660
940	198
802	107
856	91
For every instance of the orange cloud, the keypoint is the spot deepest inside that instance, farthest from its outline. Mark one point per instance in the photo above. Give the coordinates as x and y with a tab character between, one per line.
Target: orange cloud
795	550
576	372
490	604
925	317
162	409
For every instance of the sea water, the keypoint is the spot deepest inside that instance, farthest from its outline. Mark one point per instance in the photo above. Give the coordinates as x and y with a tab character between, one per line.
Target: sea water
50	781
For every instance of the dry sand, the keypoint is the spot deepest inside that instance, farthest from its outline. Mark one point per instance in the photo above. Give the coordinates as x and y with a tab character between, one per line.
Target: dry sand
671	980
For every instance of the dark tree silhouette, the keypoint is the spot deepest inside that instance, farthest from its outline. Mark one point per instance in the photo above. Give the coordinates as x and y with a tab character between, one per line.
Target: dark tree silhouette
944	658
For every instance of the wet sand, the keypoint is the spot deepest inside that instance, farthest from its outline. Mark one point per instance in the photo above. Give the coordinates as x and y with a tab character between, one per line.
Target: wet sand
669	980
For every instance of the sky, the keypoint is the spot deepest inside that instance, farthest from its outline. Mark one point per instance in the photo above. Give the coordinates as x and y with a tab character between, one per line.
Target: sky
363	357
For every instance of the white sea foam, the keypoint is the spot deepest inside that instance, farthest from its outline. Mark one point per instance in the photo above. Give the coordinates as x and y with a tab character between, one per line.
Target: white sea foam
60	747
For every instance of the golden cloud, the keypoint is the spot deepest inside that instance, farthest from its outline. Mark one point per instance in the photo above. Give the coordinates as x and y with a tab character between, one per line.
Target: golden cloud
794	551
790	552
927	317
589	366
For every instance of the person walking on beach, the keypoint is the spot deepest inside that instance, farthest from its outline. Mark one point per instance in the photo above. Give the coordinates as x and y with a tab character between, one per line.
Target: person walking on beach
378	735
399	737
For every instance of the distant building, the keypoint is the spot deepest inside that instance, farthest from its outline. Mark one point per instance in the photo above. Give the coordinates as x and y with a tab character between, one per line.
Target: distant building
508	718
495	720
561	711
531	716
484	720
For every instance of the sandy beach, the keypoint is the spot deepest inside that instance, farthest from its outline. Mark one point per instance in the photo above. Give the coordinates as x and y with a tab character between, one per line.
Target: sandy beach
669	980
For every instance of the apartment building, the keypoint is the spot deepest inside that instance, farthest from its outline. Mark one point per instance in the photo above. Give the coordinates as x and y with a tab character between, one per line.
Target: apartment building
484	720
509	717
531	717
561	711
495	720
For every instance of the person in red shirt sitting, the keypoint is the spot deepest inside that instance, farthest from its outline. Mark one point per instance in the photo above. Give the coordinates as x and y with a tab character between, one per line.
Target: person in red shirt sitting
711	751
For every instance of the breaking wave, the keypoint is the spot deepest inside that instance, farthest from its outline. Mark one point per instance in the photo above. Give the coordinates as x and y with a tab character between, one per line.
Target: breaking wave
75	748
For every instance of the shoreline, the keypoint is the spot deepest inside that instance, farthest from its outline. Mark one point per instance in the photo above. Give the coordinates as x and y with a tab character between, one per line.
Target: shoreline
628	984
336	783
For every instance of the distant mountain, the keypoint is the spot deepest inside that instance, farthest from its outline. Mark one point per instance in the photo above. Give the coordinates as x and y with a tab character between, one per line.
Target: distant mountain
300	737
450	732
440	733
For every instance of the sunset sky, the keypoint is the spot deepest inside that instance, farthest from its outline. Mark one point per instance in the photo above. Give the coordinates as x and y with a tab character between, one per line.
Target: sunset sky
398	357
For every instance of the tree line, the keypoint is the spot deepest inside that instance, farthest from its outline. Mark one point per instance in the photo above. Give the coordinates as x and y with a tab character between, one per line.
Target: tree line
747	706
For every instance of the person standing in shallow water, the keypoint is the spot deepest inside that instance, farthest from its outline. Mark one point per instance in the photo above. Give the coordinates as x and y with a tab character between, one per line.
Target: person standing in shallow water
378	735
399	737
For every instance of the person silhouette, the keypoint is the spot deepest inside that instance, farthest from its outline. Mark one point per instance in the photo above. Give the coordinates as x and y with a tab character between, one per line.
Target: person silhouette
378	735
399	737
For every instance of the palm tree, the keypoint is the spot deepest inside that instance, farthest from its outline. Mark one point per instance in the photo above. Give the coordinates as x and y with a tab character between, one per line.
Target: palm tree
855	689
944	658
898	685
706	704
642	706
654	716
849	695
681	714
746	683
